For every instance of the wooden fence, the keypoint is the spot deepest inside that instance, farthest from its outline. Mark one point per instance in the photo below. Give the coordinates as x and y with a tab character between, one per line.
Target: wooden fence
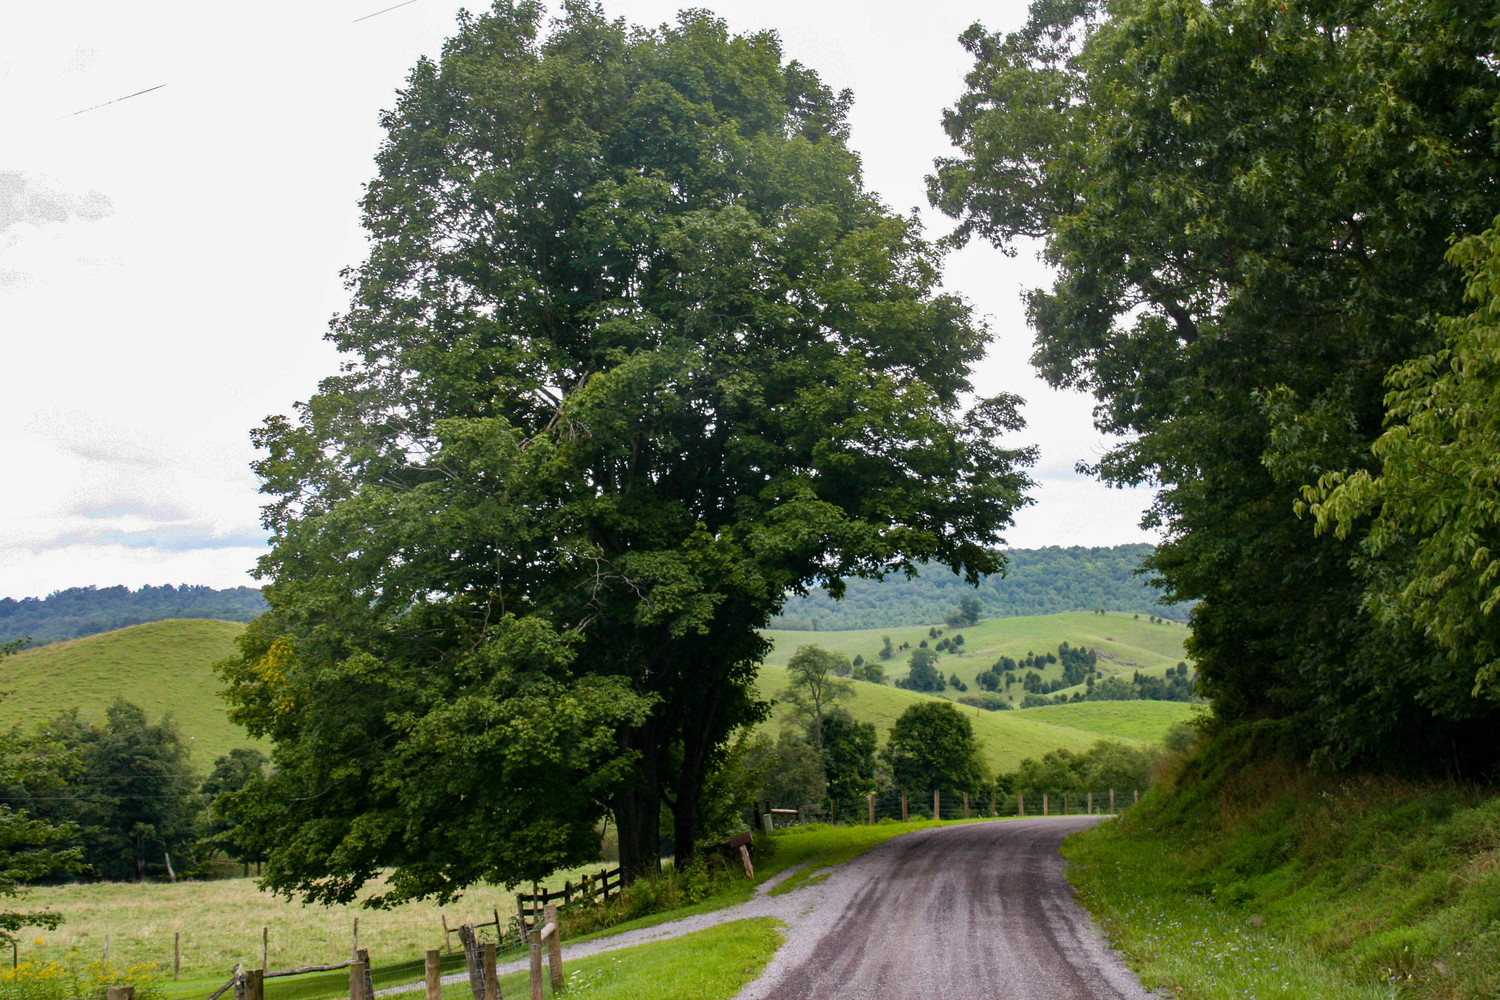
530	906
906	806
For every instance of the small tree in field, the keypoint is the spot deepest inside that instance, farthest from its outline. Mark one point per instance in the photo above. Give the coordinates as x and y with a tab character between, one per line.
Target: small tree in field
932	748
816	684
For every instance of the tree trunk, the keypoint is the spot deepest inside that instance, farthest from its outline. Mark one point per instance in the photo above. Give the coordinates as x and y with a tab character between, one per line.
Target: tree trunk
638	808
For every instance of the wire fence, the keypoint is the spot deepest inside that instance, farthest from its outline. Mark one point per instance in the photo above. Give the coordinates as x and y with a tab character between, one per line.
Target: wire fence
903	807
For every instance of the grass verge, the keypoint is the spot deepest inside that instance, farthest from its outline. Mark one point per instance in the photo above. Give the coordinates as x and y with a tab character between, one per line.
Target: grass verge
711	964
1247	875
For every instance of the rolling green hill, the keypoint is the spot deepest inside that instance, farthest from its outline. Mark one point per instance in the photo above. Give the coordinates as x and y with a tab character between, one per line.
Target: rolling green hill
163	667
166	667
1125	644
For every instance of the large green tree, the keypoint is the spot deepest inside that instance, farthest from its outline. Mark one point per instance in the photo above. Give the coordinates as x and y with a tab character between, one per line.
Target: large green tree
634	356
1246	203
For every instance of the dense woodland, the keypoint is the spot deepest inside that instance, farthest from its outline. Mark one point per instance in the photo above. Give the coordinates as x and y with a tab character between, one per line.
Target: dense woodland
80	611
1036	582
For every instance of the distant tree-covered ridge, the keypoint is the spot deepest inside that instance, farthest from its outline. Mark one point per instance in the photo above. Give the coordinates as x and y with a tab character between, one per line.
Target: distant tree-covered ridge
1037	582
80	611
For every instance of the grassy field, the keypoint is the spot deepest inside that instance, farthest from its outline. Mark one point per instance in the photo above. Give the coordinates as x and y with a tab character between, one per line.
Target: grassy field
220	921
163	667
1125	644
1147	721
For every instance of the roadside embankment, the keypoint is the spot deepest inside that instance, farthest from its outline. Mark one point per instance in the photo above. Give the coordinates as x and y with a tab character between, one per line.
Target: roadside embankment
1248	874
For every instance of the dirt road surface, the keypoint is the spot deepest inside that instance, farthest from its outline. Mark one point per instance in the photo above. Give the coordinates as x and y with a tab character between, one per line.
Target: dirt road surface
955	913
979	911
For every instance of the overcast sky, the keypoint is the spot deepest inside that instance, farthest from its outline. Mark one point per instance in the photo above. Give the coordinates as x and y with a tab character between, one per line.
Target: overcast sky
169	260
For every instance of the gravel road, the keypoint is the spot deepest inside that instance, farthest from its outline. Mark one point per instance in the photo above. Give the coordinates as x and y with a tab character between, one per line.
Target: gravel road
958	913
980	910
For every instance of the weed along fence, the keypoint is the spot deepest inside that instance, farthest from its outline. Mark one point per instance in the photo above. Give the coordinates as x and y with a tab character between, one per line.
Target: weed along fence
906	806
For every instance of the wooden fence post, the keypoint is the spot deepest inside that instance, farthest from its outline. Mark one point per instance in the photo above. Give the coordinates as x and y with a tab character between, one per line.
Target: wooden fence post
872	808
993	814
255	984
124	993
434	974
554	950
1111	800
364	960
1065	803
937	804
356	981
491	977
833	810
176	954
1091	803
1137	796
1020	803
265	948
536	964
966	805
474	959
903	807
1046	806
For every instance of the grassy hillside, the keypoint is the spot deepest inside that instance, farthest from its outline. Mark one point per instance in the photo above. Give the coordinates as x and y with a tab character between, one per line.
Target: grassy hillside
1006	737
1131	720
163	667
1125	644
1250	874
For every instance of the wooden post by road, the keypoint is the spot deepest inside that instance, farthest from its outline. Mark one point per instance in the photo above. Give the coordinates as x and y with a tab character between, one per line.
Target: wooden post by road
903	807
1111	800
356	981
364	960
966	805
1065	803
1046	806
1020	803
993	814
434	974
937	804
554	950
833	811
255	984
491	977
872	808
121	993
176	954
1091	803
536	964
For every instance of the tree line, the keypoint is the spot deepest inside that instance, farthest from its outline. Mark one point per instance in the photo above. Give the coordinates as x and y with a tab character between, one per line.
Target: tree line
1040	581
80	611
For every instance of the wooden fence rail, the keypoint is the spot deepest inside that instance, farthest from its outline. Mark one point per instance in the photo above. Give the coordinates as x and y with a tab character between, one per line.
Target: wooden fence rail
530	906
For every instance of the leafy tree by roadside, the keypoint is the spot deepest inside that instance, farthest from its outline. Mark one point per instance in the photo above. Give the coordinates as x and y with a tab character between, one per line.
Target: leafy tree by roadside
634	356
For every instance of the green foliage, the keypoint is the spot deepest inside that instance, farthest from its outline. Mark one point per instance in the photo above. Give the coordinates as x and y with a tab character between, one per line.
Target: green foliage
231	773
132	798
633	357
30	847
815	686
922	672
81	611
848	755
1435	531
1036	582
932	747
968	612
789	769
1247	203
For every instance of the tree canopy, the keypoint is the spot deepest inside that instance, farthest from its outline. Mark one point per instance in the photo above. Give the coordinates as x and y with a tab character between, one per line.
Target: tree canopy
932	747
1247	203
634	356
